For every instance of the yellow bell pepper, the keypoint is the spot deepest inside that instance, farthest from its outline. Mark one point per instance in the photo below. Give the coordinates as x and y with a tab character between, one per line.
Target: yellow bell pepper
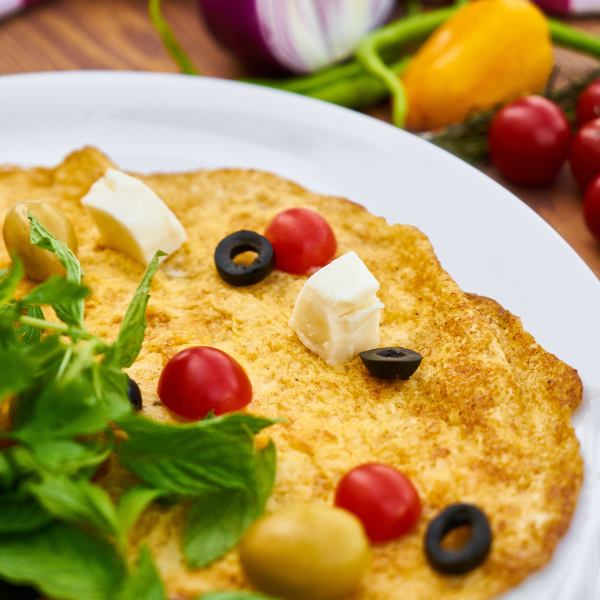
489	52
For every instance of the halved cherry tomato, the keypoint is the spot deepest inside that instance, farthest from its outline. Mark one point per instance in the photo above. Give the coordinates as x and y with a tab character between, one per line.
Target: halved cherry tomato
529	140
585	154
302	239
383	498
588	104
591	208
201	379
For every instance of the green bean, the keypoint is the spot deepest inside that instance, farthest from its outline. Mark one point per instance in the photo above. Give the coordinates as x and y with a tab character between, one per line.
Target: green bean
402	31
178	54
413	7
360	91
318	79
369	58
573	38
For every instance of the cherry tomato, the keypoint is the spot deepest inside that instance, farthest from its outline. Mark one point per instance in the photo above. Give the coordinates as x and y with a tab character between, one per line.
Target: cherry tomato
591	208
199	380
384	500
588	104
529	140
302	239
585	153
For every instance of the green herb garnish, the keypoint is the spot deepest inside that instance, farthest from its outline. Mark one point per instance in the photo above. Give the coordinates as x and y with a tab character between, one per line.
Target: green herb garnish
60	531
234	595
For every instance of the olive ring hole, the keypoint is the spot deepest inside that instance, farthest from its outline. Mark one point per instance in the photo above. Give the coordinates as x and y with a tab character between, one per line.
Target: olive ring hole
244	258
475	545
244	255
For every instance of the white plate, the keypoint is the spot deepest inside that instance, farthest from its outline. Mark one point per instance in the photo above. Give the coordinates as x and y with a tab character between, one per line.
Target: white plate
486	238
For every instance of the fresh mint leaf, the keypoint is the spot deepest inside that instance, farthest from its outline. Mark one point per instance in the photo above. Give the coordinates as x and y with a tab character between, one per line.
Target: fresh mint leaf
20	514
167	456
216	521
234	423
131	335
144	583
70	312
62	410
266	469
23	364
9	281
69	456
77	501
28	334
63	562
111	391
56	290
133	503
8	472
17	367
234	595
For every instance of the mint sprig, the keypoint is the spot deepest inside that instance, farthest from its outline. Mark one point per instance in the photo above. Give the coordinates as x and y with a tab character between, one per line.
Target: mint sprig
163	455
69	311
144	581
217	520
63	561
9	280
234	595
21	514
60	530
131	335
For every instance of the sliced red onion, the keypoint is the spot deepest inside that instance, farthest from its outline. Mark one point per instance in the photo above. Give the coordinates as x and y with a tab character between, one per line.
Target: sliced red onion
8	7
569	6
293	35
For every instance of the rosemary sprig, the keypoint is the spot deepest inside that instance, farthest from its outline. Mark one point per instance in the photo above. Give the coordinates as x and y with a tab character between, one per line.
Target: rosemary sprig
469	138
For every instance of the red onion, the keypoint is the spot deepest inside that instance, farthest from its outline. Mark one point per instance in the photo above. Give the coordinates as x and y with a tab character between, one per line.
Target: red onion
569	6
8	7
299	36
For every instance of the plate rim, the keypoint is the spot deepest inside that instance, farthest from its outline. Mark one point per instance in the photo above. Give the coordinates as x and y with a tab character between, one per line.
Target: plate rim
40	78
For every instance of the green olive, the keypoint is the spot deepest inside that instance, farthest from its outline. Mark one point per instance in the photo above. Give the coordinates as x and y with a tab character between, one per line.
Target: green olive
39	264
307	551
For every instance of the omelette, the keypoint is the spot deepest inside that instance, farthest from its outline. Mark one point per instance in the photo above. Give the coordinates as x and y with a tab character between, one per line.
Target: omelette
486	419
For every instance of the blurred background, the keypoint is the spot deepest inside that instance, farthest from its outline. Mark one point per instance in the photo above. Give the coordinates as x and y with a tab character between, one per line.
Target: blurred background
48	35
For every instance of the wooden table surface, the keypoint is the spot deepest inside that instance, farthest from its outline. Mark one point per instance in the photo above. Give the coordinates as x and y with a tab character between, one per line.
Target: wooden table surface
116	34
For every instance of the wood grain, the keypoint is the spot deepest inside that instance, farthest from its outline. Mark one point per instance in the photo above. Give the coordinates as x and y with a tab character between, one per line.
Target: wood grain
116	34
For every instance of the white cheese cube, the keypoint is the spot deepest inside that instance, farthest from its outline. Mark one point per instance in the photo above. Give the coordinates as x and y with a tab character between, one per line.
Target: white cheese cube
132	218
337	312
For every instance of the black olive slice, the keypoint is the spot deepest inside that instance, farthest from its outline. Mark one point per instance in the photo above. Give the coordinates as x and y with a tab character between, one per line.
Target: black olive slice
237	243
18	592
134	393
475	549
391	363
